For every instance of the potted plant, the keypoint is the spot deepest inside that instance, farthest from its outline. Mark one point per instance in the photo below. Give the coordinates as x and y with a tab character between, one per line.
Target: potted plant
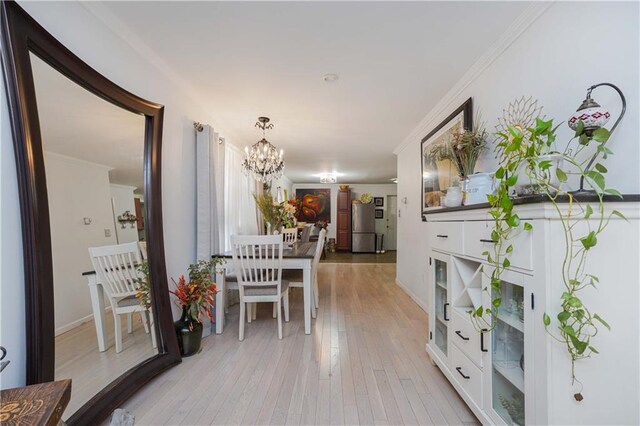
196	298
462	149
276	214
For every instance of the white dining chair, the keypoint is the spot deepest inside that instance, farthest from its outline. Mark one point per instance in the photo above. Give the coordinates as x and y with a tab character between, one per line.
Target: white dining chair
306	234
295	277
257	261
117	269
290	235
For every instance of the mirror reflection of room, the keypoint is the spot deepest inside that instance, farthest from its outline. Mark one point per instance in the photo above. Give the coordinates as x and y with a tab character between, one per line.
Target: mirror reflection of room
94	154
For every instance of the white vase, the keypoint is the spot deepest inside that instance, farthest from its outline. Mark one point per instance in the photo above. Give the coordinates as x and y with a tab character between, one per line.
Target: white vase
454	196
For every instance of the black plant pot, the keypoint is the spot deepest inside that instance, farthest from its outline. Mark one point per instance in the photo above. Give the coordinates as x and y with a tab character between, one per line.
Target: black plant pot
189	332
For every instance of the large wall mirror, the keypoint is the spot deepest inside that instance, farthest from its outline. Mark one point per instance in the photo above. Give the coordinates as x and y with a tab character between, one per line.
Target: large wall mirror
88	161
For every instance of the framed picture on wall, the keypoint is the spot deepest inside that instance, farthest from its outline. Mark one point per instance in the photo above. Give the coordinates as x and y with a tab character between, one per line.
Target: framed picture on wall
378	201
314	205
438	175
379	214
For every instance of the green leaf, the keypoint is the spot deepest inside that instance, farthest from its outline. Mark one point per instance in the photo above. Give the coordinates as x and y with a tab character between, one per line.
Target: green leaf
583	140
499	173
563	316
593	350
620	215
513	221
603	322
579	128
510	248
545	164
515	132
568	330
506	262
589	212
479	311
597	178
613	192
528	226
599	167
589	241
512	180
579	345
562	176
600	135
485	253
574	302
496	302
546	320
495	236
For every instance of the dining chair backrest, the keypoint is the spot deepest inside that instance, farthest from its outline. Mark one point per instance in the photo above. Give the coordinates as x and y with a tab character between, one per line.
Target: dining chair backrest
143	249
306	234
319	248
117	268
290	235
257	259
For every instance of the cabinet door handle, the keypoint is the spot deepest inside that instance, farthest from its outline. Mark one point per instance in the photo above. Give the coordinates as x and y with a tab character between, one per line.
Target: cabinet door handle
484	330
442	236
459	370
461	336
483	240
445	312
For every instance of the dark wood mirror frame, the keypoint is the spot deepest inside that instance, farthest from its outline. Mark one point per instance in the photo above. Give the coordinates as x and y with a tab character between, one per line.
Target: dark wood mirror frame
22	35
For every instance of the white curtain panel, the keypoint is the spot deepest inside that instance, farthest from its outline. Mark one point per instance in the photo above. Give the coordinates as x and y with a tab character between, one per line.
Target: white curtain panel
210	193
240	208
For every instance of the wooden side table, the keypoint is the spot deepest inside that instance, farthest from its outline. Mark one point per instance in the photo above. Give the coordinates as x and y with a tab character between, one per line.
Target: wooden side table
41	404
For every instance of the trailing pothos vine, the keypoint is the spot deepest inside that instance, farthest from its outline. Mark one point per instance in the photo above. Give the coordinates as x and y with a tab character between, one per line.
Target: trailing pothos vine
529	157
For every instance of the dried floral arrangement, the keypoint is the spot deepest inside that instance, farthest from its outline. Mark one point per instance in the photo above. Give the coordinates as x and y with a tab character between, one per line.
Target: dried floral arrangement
462	148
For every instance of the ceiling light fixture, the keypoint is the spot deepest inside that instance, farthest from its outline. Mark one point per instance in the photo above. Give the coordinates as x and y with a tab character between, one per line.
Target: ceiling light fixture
263	161
328	178
330	78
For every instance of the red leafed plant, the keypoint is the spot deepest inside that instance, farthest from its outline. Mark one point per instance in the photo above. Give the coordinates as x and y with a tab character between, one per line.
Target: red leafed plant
197	295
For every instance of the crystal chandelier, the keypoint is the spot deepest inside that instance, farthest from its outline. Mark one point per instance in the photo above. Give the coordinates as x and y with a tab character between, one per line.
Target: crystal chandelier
263	161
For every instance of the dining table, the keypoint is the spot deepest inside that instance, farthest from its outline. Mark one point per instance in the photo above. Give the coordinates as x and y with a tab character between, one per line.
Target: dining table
298	255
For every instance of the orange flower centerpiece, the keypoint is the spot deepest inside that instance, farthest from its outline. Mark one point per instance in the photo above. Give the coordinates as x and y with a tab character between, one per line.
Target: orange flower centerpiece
196	297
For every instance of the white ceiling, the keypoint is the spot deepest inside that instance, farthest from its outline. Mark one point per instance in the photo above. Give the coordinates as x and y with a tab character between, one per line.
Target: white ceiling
79	124
247	59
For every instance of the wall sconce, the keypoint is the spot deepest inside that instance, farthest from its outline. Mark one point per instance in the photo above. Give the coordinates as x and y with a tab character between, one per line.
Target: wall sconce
594	117
127	217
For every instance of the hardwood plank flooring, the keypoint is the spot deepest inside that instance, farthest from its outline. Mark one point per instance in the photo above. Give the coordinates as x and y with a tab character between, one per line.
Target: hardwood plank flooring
365	363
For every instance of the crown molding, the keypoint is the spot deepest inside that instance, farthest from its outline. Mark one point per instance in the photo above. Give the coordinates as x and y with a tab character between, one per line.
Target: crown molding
444	106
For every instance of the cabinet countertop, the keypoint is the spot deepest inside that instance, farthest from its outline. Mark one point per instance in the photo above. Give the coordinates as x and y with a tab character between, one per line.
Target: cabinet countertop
533	199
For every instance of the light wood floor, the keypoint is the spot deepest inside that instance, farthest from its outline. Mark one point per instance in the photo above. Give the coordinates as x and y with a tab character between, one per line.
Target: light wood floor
365	363
78	358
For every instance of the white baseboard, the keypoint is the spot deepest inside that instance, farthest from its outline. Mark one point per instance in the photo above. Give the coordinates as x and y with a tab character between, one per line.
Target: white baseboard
77	323
412	296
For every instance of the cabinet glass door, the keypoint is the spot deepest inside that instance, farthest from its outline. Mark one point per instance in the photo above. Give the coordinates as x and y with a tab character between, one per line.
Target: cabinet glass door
441	304
507	350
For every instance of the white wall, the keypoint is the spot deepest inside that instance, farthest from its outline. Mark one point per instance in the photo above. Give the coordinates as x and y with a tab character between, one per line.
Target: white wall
122	200
555	60
76	189
281	184
112	55
376	190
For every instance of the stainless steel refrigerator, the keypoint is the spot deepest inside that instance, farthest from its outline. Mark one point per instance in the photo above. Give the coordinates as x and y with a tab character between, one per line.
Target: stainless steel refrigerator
363	228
